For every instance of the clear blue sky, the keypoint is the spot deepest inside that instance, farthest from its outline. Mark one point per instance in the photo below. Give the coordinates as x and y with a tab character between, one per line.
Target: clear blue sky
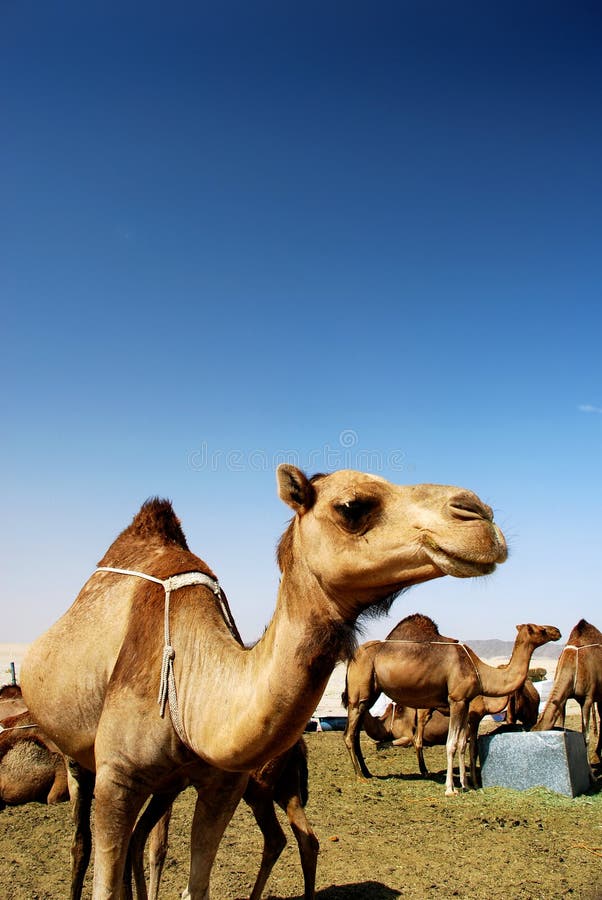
351	232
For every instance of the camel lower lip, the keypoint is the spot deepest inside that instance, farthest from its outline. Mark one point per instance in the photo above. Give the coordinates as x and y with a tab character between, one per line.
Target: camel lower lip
456	565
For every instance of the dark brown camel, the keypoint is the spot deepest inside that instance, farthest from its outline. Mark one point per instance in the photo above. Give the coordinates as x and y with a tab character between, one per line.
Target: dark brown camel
579	676
354	543
435	673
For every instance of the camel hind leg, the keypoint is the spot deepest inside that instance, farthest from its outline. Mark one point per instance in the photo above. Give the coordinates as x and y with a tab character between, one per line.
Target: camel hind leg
274	840
81	791
458	713
351	736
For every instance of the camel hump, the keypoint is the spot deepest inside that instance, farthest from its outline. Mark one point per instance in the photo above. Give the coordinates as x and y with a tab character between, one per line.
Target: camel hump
418	627
584	632
155	520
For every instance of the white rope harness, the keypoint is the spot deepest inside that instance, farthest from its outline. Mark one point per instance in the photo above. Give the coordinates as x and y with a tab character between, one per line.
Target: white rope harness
577	649
167	685
16	727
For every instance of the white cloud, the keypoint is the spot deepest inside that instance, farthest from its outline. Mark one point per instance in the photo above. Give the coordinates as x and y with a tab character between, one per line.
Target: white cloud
587	408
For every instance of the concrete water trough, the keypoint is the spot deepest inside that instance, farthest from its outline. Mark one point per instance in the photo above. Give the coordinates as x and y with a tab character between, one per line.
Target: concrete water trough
556	760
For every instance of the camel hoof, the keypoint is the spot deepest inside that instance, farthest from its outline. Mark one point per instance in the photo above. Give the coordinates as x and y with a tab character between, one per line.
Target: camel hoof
451	792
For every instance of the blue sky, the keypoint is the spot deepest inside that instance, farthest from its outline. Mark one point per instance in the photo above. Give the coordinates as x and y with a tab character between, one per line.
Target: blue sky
347	232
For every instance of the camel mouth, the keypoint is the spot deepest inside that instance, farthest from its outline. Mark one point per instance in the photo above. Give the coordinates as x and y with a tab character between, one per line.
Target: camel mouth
458	566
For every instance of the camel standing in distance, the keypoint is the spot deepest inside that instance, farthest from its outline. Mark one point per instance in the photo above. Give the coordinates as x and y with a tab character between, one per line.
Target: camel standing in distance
401	724
579	676
355	541
433	674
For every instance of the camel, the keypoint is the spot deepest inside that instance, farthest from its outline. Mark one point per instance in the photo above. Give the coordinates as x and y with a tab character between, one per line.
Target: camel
579	676
282	781
32	769
11	701
434	673
153	613
405	726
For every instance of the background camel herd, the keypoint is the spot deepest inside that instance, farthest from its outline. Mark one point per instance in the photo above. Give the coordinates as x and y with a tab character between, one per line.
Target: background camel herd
354	543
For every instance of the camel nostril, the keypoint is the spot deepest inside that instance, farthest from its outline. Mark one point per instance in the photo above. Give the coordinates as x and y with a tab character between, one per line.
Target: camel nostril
468	506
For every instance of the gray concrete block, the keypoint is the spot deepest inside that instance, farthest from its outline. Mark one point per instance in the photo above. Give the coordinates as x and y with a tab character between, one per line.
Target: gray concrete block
553	759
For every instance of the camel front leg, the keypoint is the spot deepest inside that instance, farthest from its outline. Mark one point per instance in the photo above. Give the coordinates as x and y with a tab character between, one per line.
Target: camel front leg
217	798
116	809
458	712
351	736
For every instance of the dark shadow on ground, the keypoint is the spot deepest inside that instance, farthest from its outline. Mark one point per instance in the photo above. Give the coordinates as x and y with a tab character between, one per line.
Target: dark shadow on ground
367	890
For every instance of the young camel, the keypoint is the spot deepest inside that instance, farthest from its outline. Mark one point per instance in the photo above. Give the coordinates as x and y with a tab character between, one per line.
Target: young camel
434	674
283	781
354	543
32	769
578	676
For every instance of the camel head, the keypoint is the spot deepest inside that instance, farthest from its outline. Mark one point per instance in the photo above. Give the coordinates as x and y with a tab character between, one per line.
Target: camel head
537	635
365	539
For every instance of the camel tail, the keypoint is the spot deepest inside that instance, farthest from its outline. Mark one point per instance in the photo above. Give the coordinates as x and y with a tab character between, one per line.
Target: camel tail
303	777
345	694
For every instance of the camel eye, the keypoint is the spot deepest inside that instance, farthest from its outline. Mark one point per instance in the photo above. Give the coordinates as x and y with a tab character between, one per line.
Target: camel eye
355	513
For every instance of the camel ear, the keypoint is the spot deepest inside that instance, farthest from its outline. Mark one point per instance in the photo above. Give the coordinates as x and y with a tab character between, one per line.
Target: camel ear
295	488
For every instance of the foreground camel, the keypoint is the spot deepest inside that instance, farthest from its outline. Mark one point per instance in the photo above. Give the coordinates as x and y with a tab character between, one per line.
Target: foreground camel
354	543
32	769
579	676
283	781
438	673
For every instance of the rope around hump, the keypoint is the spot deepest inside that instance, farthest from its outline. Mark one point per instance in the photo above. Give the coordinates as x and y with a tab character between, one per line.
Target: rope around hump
167	685
577	649
442	644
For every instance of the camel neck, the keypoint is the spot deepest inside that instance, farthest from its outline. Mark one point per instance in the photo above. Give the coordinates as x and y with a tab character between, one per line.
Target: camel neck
498	682
271	688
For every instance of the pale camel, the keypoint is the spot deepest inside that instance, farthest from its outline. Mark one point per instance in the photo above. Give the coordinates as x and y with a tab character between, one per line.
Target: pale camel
283	781
32	769
579	676
354	543
434	674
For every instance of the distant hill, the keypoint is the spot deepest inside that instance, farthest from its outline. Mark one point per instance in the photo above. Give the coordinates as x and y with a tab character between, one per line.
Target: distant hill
493	647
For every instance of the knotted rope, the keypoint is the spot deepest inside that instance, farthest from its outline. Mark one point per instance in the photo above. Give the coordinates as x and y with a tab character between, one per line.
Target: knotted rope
167	684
